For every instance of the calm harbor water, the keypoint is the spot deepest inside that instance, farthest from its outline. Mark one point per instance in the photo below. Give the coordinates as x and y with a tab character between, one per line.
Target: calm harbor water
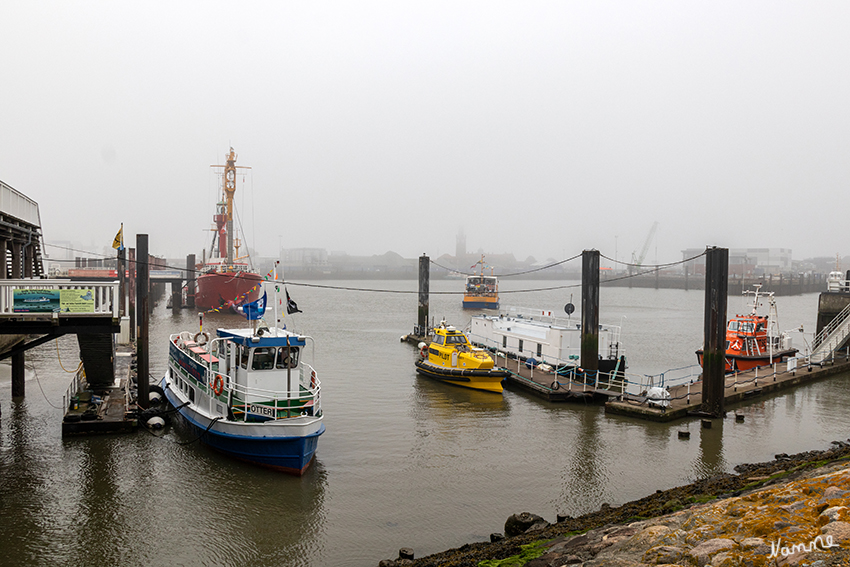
405	461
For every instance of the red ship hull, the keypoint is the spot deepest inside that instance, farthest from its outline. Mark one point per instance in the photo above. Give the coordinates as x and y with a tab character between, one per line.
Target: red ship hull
227	289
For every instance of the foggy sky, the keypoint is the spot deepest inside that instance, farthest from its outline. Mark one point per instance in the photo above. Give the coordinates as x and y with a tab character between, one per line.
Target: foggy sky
541	128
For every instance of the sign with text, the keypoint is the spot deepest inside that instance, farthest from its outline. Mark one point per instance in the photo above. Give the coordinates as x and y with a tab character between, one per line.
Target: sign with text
36	300
53	301
76	300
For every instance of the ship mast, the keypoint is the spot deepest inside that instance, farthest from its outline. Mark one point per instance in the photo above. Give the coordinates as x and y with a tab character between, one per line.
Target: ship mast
229	189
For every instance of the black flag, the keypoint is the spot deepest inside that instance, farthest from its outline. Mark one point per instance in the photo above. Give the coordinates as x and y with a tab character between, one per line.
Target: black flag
291	306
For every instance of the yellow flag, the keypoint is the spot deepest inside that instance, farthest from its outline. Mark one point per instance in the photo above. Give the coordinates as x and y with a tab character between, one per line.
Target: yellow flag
118	243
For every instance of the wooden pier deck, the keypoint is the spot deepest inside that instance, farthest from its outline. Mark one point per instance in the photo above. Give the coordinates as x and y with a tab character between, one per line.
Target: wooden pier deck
101	410
555	388
686	399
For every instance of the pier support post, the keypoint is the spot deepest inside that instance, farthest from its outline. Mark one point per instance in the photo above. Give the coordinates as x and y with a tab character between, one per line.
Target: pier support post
424	293
122	281
714	349
18	370
29	260
131	290
190	281
4	269
176	295
590	310
143	317
16	260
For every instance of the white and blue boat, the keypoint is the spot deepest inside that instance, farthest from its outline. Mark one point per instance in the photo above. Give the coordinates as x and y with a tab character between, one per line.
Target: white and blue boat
248	393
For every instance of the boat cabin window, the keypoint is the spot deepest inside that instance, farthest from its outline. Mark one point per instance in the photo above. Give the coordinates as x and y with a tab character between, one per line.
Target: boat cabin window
455	340
243	357
746	327
440	339
287	357
520	345
733	325
263	358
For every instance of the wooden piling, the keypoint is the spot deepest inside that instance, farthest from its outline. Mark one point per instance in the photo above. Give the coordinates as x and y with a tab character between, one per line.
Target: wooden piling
143	317
176	295
131	290
122	281
714	349
424	294
18	374
190	281
590	310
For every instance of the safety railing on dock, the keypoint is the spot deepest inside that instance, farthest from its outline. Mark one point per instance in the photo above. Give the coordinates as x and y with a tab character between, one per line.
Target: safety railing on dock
74	387
104	295
565	374
831	337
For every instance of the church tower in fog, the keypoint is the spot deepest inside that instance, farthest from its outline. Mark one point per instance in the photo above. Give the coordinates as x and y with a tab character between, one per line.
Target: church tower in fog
460	250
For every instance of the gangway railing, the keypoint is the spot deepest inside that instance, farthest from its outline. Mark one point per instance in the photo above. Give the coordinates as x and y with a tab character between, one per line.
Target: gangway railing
831	337
105	295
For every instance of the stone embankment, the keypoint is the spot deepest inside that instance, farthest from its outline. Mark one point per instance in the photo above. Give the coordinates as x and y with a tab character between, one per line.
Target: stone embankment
794	510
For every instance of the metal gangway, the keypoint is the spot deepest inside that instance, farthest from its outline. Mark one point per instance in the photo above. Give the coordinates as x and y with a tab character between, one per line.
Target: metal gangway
831	337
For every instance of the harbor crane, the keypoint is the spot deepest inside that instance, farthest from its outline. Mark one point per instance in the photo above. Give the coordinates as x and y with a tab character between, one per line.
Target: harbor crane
638	260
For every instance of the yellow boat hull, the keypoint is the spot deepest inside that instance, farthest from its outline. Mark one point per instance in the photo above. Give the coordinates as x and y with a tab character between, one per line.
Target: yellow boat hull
486	380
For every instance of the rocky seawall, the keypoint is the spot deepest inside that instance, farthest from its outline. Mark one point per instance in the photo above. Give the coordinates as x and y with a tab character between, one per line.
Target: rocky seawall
794	510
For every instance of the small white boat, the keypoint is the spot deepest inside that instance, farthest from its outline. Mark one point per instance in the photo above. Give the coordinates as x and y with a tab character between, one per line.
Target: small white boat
248	393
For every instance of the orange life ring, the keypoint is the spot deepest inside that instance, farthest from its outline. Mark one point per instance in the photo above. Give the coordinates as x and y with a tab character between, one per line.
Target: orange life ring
218	385
423	352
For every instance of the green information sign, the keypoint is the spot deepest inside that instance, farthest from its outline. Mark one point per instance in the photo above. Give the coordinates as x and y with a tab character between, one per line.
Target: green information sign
76	300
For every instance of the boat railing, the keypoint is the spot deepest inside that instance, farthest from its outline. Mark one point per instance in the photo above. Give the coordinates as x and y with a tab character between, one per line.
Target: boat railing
306	392
294	402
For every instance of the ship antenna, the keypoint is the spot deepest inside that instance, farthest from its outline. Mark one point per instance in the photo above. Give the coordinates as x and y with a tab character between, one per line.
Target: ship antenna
276	320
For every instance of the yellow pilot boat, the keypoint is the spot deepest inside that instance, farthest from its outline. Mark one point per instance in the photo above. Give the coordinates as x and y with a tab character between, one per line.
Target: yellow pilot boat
451	358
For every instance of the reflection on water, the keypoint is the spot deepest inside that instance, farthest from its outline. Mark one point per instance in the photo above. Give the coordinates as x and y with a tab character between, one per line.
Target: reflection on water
405	462
709	461
586	477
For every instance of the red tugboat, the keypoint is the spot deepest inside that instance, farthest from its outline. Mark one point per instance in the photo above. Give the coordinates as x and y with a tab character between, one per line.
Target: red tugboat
226	280
754	340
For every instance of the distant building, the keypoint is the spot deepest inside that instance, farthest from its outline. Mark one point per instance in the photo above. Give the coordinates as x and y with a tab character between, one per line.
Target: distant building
305	258
745	262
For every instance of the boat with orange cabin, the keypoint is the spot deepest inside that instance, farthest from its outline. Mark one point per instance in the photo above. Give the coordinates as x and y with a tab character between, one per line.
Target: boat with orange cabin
482	291
754	340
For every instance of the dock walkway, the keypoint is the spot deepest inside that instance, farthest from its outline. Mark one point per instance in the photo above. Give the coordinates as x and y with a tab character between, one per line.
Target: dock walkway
102	410
558	388
687	398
